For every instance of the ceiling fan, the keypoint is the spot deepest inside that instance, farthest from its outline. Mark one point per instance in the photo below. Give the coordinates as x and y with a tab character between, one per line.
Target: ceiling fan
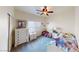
45	11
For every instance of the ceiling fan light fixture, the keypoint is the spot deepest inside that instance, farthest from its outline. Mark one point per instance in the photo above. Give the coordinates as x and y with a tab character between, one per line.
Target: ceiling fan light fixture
45	11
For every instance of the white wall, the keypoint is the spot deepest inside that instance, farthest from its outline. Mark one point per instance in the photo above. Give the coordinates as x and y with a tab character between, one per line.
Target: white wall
77	23
4	27
65	20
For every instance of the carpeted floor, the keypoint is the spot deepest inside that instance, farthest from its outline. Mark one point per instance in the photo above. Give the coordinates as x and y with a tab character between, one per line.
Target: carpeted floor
38	45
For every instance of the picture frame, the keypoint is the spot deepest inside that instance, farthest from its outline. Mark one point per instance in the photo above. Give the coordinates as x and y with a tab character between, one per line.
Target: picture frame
21	24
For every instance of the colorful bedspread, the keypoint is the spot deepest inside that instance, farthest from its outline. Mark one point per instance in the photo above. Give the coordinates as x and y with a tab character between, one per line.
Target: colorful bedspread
67	42
64	40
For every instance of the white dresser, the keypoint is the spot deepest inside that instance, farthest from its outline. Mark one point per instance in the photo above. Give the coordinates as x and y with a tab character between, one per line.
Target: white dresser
21	36
32	36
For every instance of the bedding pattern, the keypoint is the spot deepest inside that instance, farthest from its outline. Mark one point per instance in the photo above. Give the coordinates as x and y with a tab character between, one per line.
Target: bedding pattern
65	41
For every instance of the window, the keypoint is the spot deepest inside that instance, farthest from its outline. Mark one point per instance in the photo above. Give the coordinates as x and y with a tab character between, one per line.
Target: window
34	26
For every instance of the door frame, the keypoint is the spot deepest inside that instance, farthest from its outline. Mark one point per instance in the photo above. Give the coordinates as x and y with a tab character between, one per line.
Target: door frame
8	30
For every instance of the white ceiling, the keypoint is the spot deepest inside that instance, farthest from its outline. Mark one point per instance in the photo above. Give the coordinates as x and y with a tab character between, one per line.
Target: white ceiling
32	9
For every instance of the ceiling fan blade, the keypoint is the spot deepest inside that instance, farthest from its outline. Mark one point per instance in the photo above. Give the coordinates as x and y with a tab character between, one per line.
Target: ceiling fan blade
41	13
39	10
50	11
47	14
